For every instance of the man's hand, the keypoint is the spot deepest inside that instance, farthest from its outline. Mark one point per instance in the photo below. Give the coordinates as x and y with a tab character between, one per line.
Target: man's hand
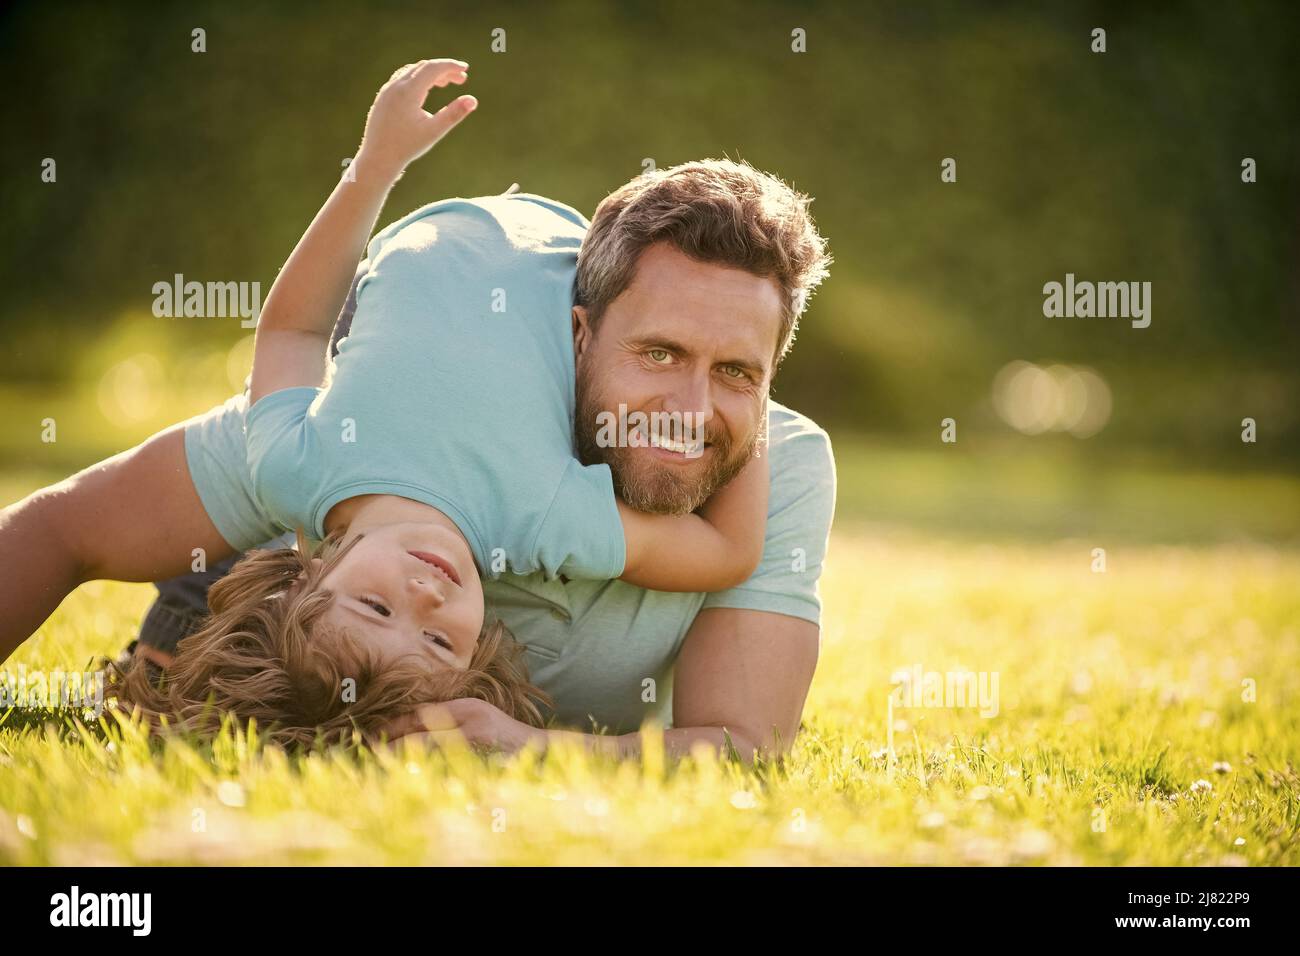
399	130
466	721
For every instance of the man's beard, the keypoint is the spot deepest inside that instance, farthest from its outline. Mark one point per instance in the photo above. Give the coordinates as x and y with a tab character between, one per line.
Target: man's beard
649	486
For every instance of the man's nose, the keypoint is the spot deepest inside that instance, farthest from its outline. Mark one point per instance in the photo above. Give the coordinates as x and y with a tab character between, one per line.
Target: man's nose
694	394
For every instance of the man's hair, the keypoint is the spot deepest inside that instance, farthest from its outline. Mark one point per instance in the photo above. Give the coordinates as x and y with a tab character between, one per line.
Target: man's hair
261	655
713	210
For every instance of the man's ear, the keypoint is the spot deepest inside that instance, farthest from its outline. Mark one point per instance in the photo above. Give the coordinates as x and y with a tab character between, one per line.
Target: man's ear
582	334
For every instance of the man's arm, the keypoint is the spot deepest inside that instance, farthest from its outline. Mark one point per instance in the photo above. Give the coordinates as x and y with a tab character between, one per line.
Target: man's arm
742	675
133	517
740	682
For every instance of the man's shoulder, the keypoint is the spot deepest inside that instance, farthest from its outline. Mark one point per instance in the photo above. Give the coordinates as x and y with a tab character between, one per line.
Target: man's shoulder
803	470
801	509
794	437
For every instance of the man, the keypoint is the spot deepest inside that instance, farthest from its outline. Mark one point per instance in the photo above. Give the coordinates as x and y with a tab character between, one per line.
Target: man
688	289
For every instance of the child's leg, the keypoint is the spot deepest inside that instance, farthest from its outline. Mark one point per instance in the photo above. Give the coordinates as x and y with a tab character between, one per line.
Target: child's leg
134	517
182	603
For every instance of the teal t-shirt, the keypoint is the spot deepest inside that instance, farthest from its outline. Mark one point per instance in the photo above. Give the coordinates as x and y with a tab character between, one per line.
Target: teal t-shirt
454	388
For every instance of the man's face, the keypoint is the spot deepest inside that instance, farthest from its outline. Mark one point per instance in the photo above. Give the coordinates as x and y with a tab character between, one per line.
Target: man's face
684	337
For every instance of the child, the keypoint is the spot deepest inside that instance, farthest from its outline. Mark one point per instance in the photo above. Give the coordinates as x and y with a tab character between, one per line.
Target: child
371	457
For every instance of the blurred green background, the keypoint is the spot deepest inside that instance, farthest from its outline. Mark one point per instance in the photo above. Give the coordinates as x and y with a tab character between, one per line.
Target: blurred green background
1122	166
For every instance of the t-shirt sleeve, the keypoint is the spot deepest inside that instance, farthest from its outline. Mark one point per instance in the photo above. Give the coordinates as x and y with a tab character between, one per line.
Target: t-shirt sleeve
801	506
279	447
217	456
582	533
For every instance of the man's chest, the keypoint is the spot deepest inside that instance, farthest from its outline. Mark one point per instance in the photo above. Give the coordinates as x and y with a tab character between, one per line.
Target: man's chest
603	649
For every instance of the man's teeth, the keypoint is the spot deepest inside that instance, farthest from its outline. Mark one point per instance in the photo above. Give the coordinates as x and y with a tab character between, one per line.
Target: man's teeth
668	444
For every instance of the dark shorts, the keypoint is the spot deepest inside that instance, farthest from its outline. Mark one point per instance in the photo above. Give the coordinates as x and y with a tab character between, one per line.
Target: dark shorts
181	606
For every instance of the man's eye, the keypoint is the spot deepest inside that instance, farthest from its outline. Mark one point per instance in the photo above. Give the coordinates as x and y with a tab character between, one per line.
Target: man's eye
733	371
383	611
658	356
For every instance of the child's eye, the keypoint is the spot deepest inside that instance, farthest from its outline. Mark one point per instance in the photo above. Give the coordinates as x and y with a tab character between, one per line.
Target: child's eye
385	612
439	640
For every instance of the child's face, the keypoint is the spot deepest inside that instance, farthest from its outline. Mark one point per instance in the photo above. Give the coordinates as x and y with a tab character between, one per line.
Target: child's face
409	588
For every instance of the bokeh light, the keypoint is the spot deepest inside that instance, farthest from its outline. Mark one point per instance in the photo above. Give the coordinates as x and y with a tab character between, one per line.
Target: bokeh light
239	362
1058	398
132	390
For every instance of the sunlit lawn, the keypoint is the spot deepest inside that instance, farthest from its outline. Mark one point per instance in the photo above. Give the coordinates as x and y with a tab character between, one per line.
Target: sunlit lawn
1118	693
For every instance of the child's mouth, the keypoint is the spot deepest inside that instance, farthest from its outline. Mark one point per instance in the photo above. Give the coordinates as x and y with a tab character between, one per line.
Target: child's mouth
438	563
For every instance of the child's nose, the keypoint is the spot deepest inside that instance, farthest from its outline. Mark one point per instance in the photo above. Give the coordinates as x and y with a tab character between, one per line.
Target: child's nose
427	591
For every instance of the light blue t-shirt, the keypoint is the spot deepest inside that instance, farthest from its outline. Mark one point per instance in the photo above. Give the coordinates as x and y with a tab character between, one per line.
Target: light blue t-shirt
435	394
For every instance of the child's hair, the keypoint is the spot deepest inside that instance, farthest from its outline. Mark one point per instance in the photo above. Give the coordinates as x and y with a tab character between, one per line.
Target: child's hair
259	655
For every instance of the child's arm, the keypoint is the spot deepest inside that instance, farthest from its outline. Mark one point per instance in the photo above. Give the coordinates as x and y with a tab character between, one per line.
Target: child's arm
294	327
712	550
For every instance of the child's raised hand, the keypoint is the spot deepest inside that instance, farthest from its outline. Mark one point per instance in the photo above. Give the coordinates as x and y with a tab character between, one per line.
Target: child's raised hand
399	130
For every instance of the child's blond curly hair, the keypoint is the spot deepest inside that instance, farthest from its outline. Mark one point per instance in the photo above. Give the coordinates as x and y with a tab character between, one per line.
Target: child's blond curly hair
258	655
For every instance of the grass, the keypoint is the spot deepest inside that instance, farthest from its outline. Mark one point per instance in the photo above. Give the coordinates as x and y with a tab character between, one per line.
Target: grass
1118	692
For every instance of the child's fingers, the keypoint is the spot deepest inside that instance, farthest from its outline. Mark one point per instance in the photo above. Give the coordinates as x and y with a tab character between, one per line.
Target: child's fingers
402	72
450	115
430	73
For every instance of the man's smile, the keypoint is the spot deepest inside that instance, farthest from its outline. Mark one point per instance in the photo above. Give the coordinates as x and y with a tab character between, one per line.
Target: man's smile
678	452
